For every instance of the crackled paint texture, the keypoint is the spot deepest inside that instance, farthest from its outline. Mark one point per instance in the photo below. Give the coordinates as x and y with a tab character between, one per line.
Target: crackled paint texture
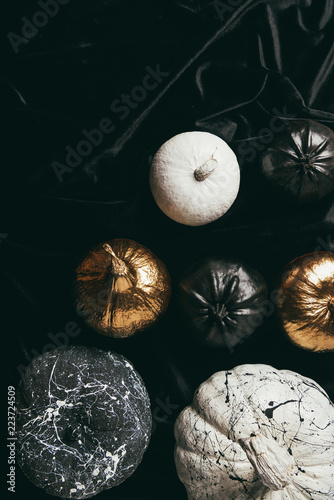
289	416
83	421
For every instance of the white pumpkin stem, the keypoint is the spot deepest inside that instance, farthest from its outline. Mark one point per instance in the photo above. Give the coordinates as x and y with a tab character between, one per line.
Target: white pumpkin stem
119	268
272	463
201	173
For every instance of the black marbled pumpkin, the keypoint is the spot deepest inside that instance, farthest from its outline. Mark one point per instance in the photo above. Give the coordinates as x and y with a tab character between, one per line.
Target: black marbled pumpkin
83	421
222	300
299	163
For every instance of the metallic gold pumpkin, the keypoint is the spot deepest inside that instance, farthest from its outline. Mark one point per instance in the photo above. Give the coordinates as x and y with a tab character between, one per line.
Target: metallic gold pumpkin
306	307
121	288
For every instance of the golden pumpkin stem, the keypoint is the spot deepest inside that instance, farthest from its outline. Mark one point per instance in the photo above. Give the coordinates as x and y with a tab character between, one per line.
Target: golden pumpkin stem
272	462
331	305
119	268
201	173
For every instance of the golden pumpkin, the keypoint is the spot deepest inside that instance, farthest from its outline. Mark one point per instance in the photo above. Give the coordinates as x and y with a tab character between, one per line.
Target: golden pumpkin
306	306
121	288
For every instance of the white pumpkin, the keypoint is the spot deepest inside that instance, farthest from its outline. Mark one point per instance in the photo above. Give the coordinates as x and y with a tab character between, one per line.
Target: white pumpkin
255	432
194	178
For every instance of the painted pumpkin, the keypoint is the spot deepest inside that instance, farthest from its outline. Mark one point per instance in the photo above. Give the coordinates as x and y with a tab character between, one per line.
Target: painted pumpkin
255	432
299	162
83	421
222	300
306	306
194	178
121	288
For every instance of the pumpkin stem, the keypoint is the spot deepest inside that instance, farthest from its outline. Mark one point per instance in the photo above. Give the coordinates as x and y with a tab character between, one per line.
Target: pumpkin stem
331	305
306	162
272	463
119	268
201	173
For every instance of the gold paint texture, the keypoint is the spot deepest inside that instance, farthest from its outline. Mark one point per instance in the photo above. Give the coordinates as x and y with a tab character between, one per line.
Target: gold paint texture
306	307
121	288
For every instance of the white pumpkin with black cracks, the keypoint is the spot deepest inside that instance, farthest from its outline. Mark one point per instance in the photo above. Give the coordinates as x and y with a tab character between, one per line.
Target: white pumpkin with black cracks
255	432
194	178
83	421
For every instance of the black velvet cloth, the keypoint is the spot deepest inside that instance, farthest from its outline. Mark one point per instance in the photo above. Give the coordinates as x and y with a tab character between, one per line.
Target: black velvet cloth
231	68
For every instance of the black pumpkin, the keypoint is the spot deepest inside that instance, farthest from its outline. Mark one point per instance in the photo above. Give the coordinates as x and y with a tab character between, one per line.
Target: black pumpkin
299	162
83	421
222	300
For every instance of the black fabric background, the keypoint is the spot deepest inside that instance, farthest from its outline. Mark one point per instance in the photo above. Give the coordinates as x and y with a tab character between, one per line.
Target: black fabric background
229	72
